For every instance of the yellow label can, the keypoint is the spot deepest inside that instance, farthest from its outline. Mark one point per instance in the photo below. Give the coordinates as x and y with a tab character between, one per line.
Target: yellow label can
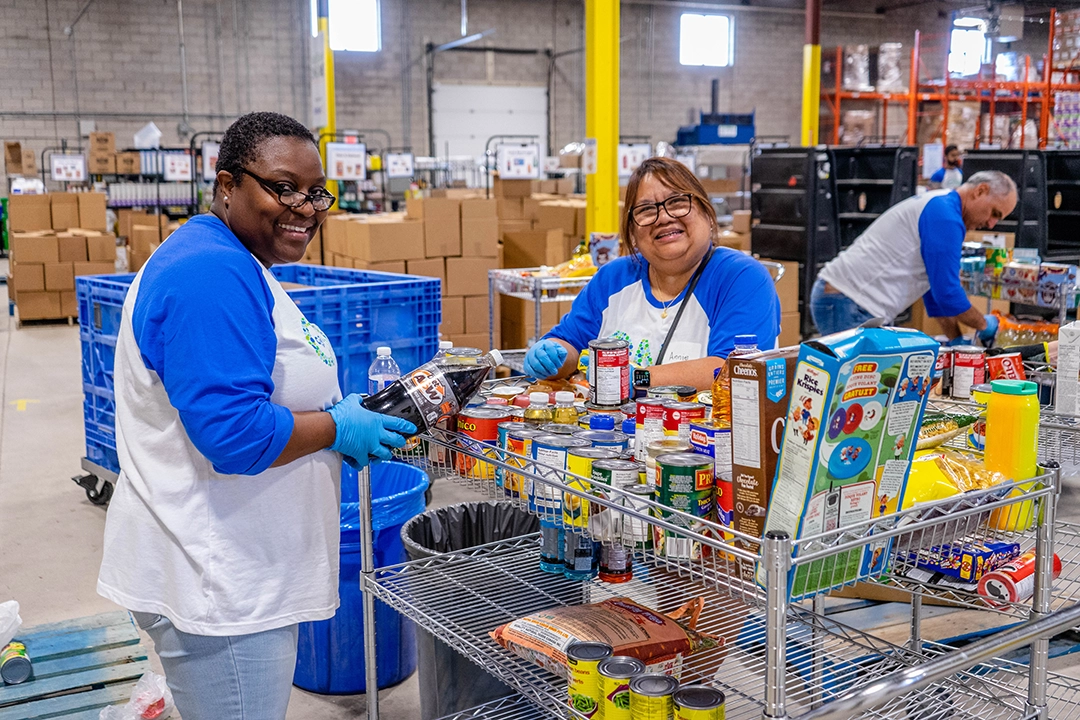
582	663
651	696
615	675
698	702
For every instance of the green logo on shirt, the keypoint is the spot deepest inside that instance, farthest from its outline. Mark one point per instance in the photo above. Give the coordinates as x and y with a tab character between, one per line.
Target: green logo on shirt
316	338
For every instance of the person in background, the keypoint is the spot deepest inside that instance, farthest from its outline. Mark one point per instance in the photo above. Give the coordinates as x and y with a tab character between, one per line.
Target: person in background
223	532
913	250
668	228
950	176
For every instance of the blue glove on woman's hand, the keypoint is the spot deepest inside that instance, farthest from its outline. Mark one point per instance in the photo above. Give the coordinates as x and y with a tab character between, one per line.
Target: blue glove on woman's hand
544	359
362	433
987	335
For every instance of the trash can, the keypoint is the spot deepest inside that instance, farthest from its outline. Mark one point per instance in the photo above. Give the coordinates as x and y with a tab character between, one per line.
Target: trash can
448	682
330	653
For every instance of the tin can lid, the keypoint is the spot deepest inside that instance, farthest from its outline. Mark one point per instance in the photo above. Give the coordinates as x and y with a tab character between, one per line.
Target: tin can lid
615	464
699	697
565	441
684	460
653	685
620	666
588	651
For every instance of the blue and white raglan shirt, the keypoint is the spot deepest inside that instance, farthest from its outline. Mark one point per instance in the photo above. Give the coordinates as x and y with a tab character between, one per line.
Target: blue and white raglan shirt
948	178
212	357
735	295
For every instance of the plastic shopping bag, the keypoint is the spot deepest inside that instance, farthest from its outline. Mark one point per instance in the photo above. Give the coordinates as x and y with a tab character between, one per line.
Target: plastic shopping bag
10	622
150	700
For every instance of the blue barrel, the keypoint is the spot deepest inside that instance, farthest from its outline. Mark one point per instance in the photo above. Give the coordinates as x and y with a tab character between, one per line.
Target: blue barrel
330	653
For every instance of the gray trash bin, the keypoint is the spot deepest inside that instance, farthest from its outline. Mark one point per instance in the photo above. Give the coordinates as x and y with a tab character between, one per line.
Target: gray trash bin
448	682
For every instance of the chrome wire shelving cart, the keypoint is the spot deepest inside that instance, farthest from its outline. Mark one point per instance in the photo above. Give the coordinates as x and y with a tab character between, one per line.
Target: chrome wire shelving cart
775	658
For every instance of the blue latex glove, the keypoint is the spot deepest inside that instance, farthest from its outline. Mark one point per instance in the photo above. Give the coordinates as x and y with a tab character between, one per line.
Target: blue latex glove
362	434
987	335
544	359
958	340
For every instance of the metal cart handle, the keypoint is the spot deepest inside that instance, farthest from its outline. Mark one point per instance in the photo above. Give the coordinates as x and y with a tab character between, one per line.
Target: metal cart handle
898	683
775	269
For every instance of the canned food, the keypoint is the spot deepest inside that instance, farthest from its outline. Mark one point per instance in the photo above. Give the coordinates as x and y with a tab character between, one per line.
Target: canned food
707	438
648	424
478	434
579	462
661	447
1007	366
582	662
615	674
549	452
1014	582
678	416
650	696
608	473
609	372
685	484
616	564
665	392
502	433
634	529
969	368
698	702
518	452
604	438
629	409
559	428
943	370
15	666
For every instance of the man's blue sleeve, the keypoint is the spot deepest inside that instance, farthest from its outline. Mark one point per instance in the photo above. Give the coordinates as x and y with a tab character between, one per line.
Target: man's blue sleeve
939	176
747	303
941	234
208	333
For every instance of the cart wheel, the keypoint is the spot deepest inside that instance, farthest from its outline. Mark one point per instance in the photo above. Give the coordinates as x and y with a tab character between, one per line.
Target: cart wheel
100	497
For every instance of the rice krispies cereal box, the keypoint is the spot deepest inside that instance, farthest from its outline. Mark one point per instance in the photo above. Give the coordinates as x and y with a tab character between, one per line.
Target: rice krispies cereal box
856	406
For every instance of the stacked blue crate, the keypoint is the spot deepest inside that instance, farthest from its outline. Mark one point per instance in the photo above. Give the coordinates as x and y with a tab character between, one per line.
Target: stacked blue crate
356	309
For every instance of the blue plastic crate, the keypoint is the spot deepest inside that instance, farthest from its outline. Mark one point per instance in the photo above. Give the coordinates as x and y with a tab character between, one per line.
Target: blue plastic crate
358	310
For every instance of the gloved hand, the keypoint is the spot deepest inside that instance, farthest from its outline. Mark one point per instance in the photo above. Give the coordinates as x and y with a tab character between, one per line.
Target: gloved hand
362	433
958	340
987	335
544	359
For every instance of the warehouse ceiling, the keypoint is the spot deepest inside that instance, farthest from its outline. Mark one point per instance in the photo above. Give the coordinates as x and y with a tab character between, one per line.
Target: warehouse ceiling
1032	7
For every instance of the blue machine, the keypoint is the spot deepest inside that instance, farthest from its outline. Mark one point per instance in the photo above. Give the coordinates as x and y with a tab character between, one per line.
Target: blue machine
718	128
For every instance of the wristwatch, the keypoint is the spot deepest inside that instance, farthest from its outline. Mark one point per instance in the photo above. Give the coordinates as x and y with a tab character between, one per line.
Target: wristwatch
641	378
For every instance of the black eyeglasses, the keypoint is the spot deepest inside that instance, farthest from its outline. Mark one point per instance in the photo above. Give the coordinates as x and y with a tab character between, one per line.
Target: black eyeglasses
676	206
321	201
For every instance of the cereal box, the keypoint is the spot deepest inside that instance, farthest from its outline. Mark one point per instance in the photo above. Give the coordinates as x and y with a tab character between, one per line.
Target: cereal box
853	420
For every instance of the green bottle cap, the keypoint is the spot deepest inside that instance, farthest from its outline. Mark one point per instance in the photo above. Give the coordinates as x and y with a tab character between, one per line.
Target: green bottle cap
1014	387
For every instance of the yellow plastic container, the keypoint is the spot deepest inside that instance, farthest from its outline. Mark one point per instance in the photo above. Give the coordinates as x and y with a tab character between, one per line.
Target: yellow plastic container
1012	443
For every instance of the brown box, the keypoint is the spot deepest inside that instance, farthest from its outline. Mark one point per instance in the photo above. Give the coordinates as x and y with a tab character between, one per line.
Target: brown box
125	219
389	266
479	208
69	304
787	289
453	316
144	238
790	329
333	231
103	142
36	247
383	240
39	305
59	276
442	225
513	188
100	164
432	267
29	162
455	193
508	226
518	319
13	157
740	221
71	247
101	248
533	248
558	214
564	186
530	208
760	393
734	240
27	213
480	236
94	268
465	275
29	277
476	314
475	340
509	209
65	210
92	211
128	163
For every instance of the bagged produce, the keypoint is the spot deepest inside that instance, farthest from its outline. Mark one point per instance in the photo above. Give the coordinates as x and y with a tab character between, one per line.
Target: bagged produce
151	699
659	640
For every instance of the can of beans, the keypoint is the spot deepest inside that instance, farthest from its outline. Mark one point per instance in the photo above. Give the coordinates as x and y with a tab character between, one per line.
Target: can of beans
678	416
583	682
519	452
969	368
698	702
648	424
549	452
503	433
1007	366
686	484
609	372
615	674
604	438
15	665
651	696
661	447
478	434
579	462
943	370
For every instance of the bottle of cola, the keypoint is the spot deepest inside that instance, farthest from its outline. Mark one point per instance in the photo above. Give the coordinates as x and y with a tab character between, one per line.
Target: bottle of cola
432	391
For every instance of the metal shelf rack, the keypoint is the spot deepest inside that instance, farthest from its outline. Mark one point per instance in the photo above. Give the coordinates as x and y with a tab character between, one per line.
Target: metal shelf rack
523	283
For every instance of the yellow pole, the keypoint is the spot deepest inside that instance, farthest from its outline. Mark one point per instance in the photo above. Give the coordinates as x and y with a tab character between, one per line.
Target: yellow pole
811	82
323	7
602	113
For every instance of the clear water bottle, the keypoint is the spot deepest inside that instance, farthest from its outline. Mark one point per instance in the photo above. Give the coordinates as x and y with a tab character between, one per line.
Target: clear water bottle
444	347
383	371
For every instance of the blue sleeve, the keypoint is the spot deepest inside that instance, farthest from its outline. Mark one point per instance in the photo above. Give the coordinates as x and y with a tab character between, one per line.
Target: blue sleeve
941	240
207	330
939	176
582	323
744	301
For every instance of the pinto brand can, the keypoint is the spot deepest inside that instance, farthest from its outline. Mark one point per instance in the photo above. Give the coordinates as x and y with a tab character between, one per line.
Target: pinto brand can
519	451
15	665
609	372
615	674
650	696
678	416
583	686
550	454
579	462
698	702
478	434
648	424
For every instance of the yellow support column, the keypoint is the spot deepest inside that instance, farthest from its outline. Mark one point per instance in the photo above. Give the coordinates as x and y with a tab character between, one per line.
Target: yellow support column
323	9
811	81
602	113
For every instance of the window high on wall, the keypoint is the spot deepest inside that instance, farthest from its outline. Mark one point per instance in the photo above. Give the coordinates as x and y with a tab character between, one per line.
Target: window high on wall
968	46
354	25
706	40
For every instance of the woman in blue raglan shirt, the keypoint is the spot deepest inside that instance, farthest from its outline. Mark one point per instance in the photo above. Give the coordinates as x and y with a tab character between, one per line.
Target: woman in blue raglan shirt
230	426
668	228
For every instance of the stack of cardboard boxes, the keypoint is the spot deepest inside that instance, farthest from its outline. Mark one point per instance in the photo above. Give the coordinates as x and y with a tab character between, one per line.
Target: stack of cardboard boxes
55	238
19	160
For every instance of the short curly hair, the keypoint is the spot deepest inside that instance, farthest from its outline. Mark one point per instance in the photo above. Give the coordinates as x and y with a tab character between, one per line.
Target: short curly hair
240	144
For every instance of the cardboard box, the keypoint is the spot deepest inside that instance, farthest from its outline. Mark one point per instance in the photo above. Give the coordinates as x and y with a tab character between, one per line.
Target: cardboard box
476	314
476	340
125	219
69	304
453	317
740	221
27	213
509	209
100	164
517	321
37	247
376	239
790	329
465	274
530	208
390	266
508	226
19	160
71	247
564	186
442	225
787	289
432	267
854	396
65	210
39	305
128	163
475	208
101	248
333	232
144	238
29	163
480	236
512	188
534	248
733	240
991	238
94	268
456	193
29	277
92	211
103	142
558	214
59	276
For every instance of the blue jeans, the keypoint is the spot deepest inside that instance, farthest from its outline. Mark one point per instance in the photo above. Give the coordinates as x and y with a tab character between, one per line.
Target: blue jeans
834	312
239	677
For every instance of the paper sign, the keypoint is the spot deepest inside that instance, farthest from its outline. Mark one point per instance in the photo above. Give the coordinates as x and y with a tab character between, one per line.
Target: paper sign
320	113
399	165
933	159
632	155
689	161
177	167
346	161
68	168
552	164
518	162
588	157
210	152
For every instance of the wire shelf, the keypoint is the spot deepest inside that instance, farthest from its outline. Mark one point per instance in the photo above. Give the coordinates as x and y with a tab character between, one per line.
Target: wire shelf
514	707
461	597
521	283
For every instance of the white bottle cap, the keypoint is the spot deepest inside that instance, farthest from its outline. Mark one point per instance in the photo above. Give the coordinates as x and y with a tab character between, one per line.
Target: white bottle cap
564	396
383	351
497	356
445	344
541	398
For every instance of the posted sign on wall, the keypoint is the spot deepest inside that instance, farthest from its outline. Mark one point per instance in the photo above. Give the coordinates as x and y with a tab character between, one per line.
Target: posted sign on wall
518	162
346	161
399	165
176	167
632	155
209	160
68	168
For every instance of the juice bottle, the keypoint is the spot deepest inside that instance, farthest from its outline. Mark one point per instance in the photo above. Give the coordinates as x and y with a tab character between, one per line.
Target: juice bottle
565	413
539	412
1012	441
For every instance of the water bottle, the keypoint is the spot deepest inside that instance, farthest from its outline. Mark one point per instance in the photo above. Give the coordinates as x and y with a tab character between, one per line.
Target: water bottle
383	371
444	347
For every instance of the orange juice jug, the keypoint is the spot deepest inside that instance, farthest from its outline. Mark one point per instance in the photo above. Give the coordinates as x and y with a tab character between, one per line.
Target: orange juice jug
1012	443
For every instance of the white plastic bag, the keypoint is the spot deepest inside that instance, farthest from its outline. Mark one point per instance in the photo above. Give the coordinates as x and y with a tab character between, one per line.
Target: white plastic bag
10	622
150	700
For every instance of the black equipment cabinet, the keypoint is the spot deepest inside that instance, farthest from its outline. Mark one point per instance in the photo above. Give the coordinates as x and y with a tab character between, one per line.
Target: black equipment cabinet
1028	221
870	180
1062	205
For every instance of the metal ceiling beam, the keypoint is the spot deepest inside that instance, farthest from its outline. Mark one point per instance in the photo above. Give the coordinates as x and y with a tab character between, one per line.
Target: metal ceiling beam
722	7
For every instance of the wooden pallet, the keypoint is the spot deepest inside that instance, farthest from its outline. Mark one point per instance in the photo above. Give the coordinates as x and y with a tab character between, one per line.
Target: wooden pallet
80	666
38	322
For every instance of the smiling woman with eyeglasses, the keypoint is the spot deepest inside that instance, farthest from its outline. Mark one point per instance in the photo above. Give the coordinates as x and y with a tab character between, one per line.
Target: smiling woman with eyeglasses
679	301
223	532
